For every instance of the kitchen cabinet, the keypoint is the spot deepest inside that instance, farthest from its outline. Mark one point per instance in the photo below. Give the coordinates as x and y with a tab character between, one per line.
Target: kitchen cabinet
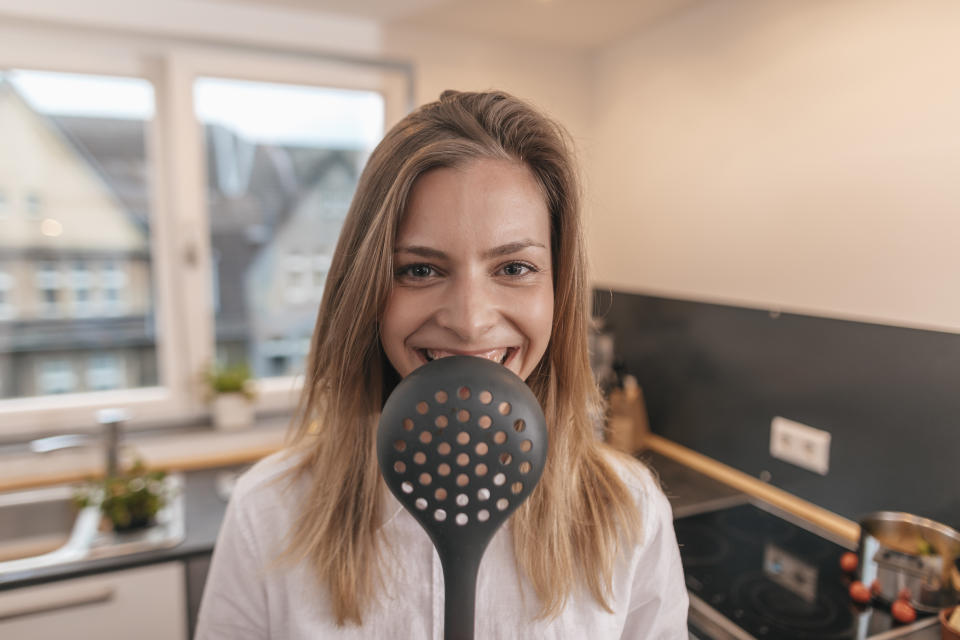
148	603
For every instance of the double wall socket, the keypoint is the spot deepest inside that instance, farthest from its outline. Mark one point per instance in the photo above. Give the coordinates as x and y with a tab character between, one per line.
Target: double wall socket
801	445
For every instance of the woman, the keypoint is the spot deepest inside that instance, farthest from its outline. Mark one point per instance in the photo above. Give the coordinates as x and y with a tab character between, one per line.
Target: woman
464	237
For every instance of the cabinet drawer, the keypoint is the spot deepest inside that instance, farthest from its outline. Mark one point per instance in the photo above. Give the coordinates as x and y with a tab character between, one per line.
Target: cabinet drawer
147	603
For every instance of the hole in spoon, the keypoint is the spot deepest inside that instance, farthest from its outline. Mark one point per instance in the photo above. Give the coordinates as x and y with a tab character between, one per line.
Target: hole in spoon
441	421
463	415
407	424
422	408
519	426
443	448
463	393
461	519
400	445
440	396
481	448
504	408
483	515
499	479
440	494
486	397
406	487
463	437
502	504
443	469
419	457
484	422
483	494
399	466
525	446
421	503
440	515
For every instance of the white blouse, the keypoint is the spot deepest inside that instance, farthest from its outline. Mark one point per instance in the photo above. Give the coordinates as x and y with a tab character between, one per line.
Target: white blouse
249	595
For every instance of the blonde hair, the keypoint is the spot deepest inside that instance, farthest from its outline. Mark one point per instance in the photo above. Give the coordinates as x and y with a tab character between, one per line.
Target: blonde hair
571	528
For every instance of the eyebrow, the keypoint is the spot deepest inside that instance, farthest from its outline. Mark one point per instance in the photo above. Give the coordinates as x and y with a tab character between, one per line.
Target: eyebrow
502	250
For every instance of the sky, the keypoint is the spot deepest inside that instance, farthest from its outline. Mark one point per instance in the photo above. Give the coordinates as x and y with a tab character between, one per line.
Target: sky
261	112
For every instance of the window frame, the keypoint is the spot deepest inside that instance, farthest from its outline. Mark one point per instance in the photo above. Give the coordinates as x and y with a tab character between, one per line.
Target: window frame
180	248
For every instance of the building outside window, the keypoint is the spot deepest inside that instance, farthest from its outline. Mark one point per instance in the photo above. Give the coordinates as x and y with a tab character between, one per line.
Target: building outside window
278	191
74	153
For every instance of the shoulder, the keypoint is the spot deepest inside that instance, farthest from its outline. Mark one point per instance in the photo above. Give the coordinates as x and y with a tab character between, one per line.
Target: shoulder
644	486
269	486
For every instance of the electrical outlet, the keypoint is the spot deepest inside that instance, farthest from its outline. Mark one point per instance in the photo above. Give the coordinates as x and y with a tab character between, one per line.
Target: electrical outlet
801	445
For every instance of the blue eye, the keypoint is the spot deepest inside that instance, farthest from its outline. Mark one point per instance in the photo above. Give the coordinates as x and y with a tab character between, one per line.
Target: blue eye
517	269
416	271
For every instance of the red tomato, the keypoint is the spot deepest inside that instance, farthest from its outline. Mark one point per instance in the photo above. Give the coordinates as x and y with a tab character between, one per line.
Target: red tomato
902	612
849	562
859	592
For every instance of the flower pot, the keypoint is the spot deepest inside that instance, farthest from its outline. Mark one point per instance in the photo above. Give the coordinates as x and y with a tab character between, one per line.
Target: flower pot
232	412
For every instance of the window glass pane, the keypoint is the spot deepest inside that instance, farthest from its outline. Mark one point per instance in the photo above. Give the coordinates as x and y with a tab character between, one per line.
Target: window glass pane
76	301
282	164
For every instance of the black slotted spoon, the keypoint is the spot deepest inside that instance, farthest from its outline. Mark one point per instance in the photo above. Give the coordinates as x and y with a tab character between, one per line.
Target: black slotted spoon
461	443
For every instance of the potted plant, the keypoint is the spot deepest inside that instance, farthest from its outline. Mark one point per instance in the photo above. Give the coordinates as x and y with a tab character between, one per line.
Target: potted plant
129	500
231	393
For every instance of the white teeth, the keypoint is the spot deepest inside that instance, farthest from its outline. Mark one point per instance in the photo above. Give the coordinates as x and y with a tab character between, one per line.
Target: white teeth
496	355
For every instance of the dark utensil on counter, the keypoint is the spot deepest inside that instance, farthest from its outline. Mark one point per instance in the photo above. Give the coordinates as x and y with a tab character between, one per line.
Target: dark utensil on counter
461	443
906	555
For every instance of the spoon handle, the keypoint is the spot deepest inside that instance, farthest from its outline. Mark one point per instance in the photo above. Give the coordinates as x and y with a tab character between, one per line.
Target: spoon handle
460	569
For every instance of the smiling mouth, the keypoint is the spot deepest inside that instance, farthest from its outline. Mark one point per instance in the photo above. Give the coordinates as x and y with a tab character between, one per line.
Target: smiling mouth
500	356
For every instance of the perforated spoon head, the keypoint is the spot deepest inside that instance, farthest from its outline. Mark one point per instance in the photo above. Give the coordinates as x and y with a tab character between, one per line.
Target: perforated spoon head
461	443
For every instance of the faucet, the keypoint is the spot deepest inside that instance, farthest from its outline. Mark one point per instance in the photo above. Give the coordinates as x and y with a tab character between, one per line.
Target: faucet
111	421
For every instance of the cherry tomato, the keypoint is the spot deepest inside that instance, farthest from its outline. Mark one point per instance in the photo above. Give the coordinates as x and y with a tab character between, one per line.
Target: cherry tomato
902	612
859	592
849	562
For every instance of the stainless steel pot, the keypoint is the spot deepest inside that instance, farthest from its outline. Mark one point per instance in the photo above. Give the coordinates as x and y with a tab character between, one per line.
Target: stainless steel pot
904	554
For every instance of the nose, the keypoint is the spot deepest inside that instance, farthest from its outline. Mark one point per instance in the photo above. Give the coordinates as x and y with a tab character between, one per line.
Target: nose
469	309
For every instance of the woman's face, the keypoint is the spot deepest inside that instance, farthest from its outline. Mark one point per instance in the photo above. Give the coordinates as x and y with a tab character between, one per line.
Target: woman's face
472	269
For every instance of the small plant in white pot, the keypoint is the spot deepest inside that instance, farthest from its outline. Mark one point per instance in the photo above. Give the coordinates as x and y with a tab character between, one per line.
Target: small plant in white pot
231	392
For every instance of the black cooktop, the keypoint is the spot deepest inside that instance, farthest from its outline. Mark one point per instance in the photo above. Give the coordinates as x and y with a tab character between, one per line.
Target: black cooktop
771	578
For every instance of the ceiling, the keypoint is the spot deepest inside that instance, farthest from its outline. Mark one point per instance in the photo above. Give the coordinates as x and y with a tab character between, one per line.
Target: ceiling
580	24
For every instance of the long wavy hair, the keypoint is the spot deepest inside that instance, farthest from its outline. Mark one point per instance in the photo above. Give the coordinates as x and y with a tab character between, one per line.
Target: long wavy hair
570	529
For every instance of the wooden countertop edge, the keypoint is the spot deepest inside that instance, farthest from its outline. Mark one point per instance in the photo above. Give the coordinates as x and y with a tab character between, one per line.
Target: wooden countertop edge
836	524
243	455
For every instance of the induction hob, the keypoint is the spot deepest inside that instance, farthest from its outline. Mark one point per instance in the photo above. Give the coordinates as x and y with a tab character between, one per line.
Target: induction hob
753	574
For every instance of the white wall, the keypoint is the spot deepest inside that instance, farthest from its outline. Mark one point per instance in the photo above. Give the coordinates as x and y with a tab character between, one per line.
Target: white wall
551	78
793	155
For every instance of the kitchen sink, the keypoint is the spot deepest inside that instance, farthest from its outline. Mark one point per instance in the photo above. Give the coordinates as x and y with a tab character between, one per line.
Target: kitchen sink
42	528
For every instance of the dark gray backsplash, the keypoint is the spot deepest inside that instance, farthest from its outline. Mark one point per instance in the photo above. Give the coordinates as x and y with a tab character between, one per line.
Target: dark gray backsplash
714	376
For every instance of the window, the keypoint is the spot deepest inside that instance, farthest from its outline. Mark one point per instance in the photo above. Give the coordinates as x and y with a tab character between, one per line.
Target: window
56	376
282	164
80	153
7	308
105	371
106	292
33	204
81	283
48	289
